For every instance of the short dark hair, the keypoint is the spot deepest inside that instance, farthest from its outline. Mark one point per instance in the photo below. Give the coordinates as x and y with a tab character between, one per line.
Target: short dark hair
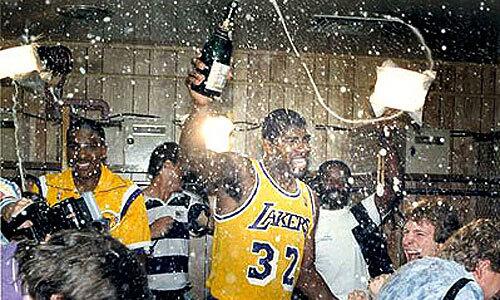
81	265
478	240
440	213
279	121
323	168
57	59
166	151
79	123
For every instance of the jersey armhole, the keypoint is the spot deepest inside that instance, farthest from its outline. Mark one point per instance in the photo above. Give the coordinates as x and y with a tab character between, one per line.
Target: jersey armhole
239	210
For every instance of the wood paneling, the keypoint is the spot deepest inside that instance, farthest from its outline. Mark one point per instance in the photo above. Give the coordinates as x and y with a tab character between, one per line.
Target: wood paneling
140	96
142	61
162	102
257	109
118	93
118	61
163	62
149	80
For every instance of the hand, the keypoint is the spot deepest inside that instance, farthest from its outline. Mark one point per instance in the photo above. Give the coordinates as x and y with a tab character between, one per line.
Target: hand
196	78
358	295
13	209
161	227
376	283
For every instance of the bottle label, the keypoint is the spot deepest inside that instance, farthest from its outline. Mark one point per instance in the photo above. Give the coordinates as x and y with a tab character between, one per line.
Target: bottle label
217	78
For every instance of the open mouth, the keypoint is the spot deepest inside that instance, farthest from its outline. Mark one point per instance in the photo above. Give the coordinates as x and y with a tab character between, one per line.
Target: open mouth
82	164
413	254
299	163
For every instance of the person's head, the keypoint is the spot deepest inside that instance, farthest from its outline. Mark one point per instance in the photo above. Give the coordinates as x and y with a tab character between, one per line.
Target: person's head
477	247
163	166
429	223
286	140
31	184
86	147
335	182
81	265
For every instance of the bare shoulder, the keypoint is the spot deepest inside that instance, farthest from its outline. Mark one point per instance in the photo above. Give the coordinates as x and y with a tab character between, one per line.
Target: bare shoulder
236	184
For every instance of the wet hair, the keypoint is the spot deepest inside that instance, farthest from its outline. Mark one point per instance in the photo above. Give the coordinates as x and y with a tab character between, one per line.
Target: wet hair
476	241
280	121
440	213
81	265
79	123
57	59
324	167
166	151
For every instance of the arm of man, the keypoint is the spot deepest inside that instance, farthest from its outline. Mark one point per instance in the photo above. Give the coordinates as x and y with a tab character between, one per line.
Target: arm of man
310	281
161	227
226	174
393	181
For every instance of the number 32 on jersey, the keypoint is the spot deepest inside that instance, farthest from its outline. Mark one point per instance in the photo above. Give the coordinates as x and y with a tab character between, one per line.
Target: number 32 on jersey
265	271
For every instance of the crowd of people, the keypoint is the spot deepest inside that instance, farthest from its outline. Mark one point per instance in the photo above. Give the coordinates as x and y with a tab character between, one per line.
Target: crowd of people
275	236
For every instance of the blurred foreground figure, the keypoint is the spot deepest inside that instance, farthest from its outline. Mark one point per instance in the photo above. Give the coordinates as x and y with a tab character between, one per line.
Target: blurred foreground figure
264	217
174	214
469	268
10	204
429	223
81	265
350	247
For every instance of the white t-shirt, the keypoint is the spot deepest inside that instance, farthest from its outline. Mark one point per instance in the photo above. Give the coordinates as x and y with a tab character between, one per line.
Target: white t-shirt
338	256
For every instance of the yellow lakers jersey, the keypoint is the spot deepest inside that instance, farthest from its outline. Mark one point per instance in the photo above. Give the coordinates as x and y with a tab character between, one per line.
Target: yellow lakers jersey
258	249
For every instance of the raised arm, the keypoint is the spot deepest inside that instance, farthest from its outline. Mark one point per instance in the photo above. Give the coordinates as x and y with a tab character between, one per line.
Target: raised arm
392	176
310	281
227	174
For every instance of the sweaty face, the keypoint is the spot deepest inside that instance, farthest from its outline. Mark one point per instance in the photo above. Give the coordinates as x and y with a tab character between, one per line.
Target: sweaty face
170	176
336	188
418	240
490	283
86	151
292	148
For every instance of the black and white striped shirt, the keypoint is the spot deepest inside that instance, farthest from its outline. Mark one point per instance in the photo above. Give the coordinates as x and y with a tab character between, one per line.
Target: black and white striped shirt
167	266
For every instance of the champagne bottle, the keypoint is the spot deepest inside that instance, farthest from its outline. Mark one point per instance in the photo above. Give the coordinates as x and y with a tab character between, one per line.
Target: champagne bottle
216	54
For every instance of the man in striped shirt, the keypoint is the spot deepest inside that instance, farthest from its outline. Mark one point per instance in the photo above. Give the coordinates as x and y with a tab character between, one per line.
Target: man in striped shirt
173	214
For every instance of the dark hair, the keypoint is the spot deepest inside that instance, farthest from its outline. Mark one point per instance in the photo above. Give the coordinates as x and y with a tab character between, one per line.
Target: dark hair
323	168
166	151
479	240
81	265
279	121
439	213
57	59
79	123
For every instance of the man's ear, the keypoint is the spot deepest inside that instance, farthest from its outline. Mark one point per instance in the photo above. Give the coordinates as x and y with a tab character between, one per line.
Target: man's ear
267	146
481	267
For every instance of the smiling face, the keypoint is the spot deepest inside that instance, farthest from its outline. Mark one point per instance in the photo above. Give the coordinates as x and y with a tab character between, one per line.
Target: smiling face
86	151
291	150
418	239
170	177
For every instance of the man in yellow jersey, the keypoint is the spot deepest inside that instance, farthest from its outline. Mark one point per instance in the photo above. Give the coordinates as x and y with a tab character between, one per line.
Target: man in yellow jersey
263	243
119	200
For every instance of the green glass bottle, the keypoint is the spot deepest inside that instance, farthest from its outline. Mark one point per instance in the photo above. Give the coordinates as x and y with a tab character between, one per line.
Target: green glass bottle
216	54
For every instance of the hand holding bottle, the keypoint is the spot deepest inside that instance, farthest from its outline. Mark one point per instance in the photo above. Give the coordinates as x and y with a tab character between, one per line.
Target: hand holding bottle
216	56
195	78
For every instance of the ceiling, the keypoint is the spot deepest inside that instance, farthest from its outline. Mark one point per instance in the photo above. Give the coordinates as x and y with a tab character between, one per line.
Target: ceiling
463	30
